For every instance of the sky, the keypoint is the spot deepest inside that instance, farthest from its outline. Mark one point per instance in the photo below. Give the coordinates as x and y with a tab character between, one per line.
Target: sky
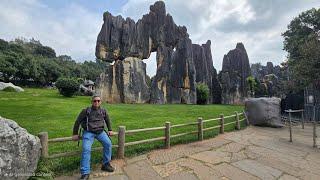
71	27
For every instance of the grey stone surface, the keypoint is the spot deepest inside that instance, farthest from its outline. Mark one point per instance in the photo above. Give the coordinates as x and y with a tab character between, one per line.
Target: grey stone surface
257	169
231	172
205	72
202	171
264	111
141	170
124	82
212	157
174	153
183	175
233	76
19	151
4	85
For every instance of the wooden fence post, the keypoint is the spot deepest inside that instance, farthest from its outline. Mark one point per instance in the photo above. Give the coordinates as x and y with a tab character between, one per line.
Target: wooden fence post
200	129
290	126
314	134
314	127
167	134
43	136
121	141
302	119
221	124
245	116
237	121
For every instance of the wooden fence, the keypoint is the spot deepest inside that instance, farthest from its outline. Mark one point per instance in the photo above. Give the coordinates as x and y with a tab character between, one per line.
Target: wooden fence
122	132
302	120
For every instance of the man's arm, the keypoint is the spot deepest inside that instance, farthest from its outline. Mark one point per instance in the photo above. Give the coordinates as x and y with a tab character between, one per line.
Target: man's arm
107	120
77	123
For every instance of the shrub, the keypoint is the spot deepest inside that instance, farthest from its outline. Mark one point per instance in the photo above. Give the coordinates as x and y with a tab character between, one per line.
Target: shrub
9	89
67	86
202	93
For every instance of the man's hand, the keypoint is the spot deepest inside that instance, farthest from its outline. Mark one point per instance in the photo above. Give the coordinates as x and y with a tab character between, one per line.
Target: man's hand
75	137
110	133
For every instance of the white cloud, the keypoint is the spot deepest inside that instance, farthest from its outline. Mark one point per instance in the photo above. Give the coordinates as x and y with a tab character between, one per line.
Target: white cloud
69	30
258	24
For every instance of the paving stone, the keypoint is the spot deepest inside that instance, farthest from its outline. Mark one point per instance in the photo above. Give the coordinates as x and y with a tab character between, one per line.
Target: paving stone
213	157
135	159
241	137
288	177
167	169
179	151
273	144
258	169
275	163
113	177
238	156
202	171
268	153
232	147
182	175
307	175
141	170
232	172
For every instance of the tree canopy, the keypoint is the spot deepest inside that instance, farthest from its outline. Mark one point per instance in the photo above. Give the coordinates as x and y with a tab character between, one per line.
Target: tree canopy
302	42
29	62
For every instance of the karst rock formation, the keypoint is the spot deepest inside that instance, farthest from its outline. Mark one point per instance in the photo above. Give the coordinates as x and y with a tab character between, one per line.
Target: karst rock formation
234	74
180	64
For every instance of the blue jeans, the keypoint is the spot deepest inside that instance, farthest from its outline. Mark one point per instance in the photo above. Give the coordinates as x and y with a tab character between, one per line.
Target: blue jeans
87	141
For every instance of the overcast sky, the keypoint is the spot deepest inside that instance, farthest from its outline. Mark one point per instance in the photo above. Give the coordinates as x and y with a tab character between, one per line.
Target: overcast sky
71	27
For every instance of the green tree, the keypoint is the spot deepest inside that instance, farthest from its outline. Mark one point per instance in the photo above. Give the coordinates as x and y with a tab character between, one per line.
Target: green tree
202	93
67	86
301	41
252	85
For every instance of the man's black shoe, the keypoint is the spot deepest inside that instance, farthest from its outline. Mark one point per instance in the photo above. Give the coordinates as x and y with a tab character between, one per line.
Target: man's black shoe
85	176
107	167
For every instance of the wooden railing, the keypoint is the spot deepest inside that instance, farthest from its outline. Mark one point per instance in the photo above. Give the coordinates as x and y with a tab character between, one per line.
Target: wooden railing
302	120
122	132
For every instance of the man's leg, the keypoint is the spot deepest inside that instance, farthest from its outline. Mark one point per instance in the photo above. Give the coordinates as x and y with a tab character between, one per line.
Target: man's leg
87	140
107	146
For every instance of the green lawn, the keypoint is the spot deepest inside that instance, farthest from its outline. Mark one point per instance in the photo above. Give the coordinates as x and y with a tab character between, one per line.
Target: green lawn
40	110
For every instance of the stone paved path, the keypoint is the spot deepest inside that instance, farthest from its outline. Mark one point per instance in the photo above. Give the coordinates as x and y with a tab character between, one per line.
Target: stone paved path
253	153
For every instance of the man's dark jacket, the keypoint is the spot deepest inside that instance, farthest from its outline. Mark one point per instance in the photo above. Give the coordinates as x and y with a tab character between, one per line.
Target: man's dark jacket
97	119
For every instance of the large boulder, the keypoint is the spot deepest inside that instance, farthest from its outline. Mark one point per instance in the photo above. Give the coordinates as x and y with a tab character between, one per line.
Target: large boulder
4	85
264	111
19	151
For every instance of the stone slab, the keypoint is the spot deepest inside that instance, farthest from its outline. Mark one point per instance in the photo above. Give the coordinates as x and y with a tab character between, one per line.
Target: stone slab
258	169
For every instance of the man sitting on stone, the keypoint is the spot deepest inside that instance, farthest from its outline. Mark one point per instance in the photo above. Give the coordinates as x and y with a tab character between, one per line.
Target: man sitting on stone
93	120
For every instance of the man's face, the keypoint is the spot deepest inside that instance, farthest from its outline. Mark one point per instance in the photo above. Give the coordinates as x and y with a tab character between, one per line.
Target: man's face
96	102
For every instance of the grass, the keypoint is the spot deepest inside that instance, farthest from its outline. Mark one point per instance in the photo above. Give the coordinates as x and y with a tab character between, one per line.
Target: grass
39	110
